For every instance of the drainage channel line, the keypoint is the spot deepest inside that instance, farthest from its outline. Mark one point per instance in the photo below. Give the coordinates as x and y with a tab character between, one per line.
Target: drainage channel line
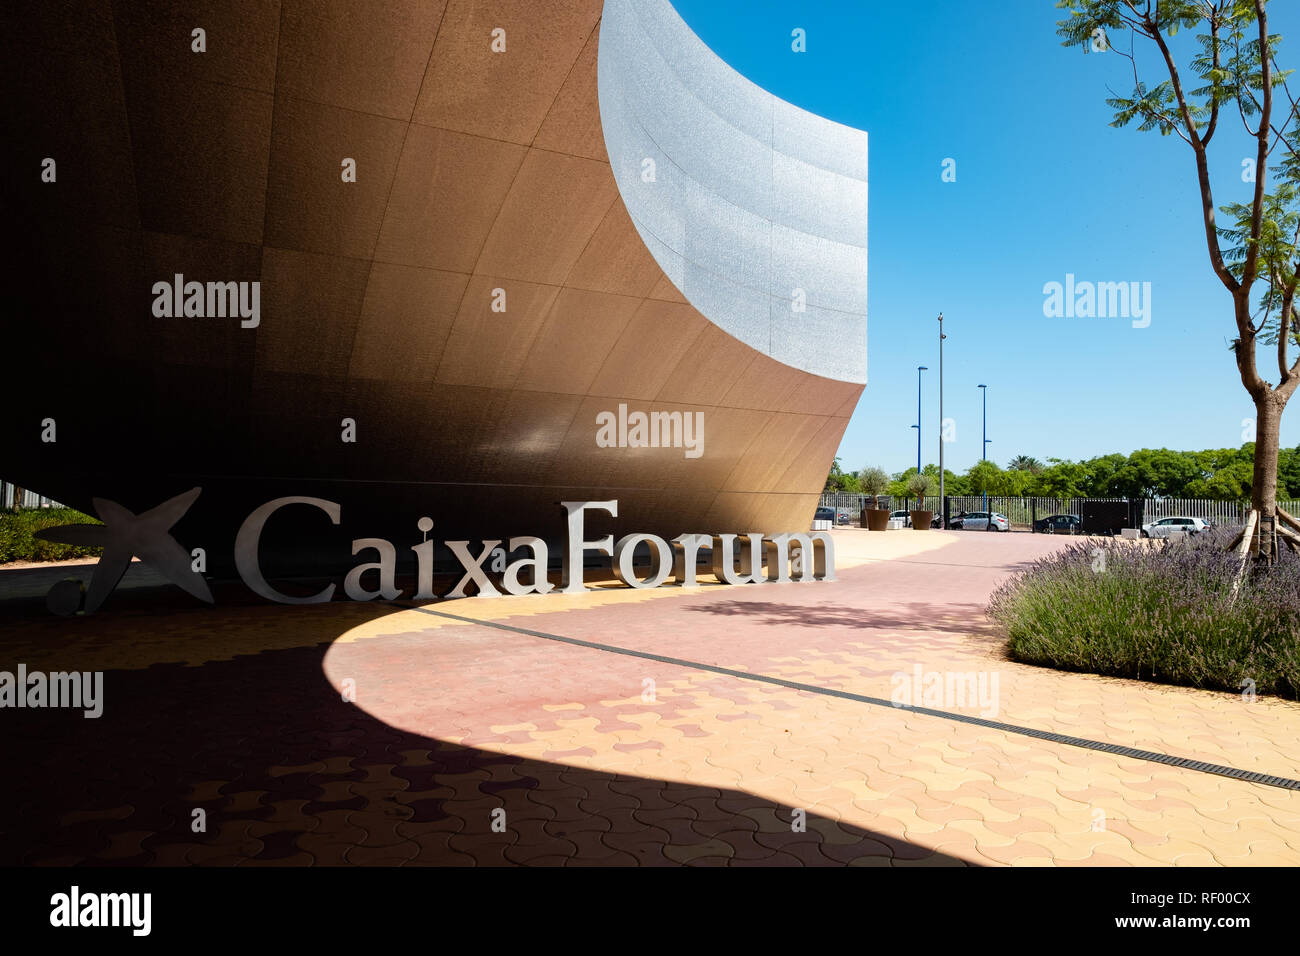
1118	750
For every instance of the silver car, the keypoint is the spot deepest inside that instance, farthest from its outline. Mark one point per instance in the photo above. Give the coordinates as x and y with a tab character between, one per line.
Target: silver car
1166	526
984	521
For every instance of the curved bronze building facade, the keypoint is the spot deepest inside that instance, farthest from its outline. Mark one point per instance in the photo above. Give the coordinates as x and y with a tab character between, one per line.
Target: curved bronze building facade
475	228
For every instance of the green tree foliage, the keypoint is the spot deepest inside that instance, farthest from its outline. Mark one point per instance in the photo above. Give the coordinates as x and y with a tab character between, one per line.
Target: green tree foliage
1223	474
1101	473
1063	479
1148	472
1011	483
953	484
918	486
1231	482
898	486
873	481
840	481
1288	471
982	477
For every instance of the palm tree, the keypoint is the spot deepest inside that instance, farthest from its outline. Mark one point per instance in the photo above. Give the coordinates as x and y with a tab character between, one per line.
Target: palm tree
1026	463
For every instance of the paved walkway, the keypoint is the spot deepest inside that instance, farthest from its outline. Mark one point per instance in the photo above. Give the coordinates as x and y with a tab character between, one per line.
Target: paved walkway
622	727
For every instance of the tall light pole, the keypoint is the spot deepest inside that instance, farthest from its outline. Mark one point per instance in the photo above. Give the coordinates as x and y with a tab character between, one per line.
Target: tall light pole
917	426
941	338
984	390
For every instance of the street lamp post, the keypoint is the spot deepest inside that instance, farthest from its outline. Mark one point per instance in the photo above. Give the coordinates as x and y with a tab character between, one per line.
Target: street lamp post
984	390
917	426
941	338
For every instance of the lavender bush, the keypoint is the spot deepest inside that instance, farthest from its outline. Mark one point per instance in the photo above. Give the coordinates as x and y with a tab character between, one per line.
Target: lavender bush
1161	612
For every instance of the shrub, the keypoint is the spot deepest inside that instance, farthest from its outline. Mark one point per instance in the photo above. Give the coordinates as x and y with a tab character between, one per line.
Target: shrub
873	481
920	485
18	529
1162	612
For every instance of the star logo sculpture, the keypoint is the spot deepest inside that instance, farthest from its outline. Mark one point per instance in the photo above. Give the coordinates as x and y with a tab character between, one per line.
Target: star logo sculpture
125	535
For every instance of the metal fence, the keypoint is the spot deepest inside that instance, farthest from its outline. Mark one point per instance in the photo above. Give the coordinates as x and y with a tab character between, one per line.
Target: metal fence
1153	509
30	499
853	504
1022	512
1018	511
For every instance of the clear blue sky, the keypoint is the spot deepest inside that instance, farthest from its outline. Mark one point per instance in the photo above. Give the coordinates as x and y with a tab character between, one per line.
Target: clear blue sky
1044	187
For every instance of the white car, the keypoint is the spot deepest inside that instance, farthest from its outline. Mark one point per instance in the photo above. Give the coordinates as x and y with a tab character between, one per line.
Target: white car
1166	526
983	521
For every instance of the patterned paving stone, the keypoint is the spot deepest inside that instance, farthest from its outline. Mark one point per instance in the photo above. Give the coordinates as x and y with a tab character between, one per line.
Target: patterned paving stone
710	772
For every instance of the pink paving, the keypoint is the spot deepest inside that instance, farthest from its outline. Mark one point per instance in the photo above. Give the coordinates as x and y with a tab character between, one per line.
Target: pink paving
470	743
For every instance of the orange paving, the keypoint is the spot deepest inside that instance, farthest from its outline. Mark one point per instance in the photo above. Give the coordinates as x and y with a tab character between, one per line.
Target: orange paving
470	744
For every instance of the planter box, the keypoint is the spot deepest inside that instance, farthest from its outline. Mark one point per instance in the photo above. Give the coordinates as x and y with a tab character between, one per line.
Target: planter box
874	519
921	520
822	525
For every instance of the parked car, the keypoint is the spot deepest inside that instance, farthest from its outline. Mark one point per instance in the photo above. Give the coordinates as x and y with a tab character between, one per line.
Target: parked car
824	514
981	521
1059	524
1163	527
843	518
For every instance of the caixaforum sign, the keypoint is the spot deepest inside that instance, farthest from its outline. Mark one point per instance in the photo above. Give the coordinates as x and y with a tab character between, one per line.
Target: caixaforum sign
520	567
795	556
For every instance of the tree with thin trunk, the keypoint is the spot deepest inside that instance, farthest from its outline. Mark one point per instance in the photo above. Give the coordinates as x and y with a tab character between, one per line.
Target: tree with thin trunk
1256	255
874	482
920	485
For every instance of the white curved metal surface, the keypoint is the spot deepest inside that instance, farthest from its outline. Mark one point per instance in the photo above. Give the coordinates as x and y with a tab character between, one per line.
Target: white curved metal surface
745	200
